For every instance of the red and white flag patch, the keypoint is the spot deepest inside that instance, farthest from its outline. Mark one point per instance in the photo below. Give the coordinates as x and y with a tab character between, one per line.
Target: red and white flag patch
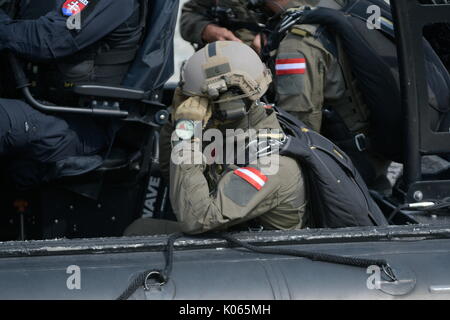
252	176
290	66
71	8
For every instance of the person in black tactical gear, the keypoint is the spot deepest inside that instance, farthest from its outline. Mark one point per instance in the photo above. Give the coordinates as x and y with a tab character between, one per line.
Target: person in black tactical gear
96	45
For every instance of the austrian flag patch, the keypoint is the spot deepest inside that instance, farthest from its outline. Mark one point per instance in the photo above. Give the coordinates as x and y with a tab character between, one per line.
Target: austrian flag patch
290	66
71	8
252	176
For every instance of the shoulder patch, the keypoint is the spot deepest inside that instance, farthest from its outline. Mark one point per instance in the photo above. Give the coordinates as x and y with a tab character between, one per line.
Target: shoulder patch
74	7
239	191
290	70
252	176
290	66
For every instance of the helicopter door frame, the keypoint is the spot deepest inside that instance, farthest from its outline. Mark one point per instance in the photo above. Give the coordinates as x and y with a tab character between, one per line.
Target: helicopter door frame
410	17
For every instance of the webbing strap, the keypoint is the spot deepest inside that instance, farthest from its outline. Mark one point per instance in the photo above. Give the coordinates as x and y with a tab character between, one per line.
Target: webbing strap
349	79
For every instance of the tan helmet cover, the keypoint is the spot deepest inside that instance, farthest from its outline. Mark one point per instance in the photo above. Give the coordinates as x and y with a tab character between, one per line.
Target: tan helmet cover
221	65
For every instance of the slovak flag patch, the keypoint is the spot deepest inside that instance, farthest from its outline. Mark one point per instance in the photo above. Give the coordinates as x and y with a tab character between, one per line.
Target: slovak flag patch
71	8
290	66
252	176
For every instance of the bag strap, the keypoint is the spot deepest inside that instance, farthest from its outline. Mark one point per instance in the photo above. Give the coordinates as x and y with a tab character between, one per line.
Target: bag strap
349	79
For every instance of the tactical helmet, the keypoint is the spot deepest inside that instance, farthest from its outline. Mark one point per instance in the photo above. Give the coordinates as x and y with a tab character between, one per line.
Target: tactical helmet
221	66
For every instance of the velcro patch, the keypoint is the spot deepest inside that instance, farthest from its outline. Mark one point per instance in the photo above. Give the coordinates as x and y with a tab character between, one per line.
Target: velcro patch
252	176
290	66
71	8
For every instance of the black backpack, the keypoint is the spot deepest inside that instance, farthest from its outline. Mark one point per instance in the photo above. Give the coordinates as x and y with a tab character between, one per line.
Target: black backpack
338	196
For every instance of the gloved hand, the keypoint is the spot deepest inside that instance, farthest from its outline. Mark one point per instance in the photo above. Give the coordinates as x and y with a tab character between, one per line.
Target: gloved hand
195	109
178	98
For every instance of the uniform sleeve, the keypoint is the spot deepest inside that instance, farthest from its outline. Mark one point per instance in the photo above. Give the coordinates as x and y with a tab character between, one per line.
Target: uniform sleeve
49	38
194	18
235	201
301	68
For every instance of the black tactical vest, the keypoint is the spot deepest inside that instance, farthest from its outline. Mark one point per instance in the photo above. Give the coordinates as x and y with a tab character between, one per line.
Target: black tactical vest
105	62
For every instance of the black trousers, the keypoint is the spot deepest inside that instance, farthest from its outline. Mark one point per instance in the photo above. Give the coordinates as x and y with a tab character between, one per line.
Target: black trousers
29	135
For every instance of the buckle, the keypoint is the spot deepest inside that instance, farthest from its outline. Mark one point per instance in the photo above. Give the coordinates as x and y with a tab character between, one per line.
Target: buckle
256	229
360	141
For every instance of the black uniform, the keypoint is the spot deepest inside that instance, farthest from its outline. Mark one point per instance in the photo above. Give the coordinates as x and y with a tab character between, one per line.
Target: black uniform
44	147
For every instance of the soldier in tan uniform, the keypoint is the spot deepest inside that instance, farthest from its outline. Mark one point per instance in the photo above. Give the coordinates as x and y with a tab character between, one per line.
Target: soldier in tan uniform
224	82
220	88
309	78
306	89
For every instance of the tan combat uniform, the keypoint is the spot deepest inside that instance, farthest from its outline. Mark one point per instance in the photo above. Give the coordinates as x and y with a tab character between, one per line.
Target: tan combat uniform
205	198
320	82
308	78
